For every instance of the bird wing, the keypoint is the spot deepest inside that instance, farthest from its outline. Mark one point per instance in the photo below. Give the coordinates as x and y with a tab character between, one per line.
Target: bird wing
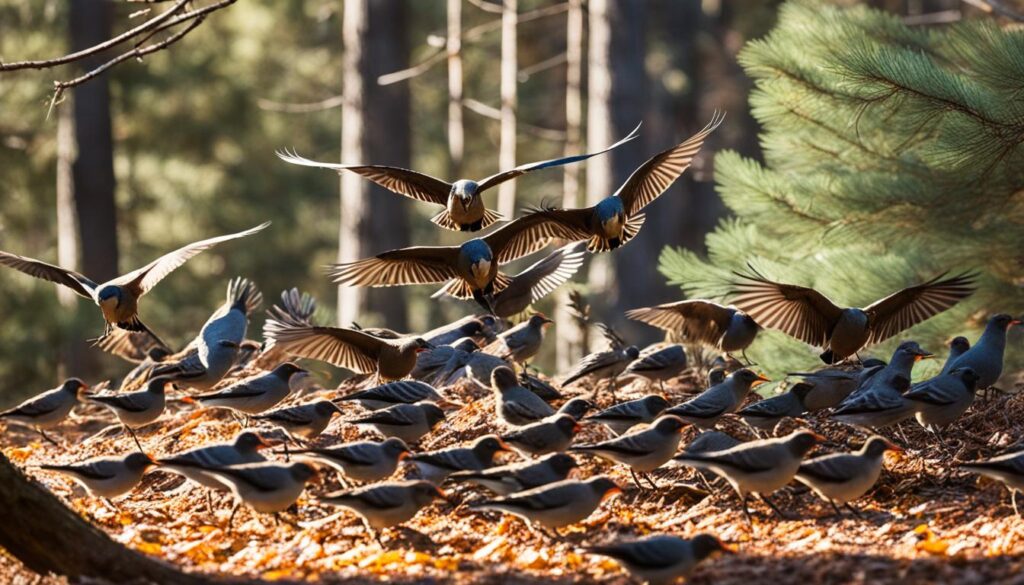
454	459
592	363
298	416
145	278
798	311
501	177
134	402
259	478
132	346
660	171
936	393
389	416
416	265
533	231
345	348
300	306
656	360
634	444
39	269
99	469
696	320
406	182
355	454
539	280
912	305
872	401
834	468
769	407
45	403
542	498
703	406
747	459
383	497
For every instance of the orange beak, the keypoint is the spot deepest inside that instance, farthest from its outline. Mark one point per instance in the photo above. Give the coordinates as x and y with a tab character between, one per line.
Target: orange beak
894	447
819	438
404	455
577	428
1015	322
761	379
504	446
611	493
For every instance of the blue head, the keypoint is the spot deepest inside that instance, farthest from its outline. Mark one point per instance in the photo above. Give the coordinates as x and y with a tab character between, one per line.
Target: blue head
609	208
475	251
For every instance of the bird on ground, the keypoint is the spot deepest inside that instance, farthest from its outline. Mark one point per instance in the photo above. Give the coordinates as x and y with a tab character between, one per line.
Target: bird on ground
364	461
306	421
986	356
766	414
727	329
464	208
384	505
118	299
1007	468
811	317
833	384
541	388
957	347
941	400
392	393
408	422
550	435
712	404
555	505
521	476
436	466
538	281
389	359
136	409
434	366
605	365
520	343
107	477
269	487
577	408
708	441
840	478
482	329
615	220
478	369
897	373
514	404
191	464
642	450
254	395
625	415
48	409
661	559
716	376
758	467
658	363
882	406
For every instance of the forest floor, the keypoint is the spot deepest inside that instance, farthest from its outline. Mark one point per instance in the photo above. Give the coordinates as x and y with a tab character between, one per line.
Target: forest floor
925	521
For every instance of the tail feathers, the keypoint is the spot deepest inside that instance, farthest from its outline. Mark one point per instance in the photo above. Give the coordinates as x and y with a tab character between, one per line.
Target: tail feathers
244	296
597	244
443	219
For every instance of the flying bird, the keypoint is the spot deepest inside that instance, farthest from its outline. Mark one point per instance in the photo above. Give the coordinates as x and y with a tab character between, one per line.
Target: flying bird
537	281
725	328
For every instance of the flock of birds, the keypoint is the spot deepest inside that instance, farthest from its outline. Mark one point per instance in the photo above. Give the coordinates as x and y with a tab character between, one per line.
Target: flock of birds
403	377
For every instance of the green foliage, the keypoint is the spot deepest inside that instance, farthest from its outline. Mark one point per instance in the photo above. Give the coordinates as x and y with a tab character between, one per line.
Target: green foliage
892	154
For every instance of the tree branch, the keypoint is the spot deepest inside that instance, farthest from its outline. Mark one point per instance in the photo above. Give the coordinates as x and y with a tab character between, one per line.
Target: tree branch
495	114
332	102
998	7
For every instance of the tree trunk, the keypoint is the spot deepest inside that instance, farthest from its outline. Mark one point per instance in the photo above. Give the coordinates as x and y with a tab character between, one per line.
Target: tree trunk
456	132
509	80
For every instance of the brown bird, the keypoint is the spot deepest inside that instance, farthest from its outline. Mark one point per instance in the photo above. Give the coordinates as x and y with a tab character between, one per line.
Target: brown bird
725	328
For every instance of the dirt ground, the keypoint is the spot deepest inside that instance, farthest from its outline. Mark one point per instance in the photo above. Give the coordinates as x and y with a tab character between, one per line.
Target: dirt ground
925	521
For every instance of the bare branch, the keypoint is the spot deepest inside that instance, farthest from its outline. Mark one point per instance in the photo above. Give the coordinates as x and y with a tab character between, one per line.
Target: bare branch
495	114
549	63
479	31
436	56
302	107
486	6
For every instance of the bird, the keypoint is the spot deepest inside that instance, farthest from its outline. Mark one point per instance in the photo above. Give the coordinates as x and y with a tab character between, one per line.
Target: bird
840	478
1007	468
482	329
986	356
107	477
896	374
939	401
478	369
191	464
464	209
616	219
254	395
269	487
642	450
706	408
716	376
811	317
48	409
471	269
606	364
727	329
305	421
520	476
833	384
134	346
661	559
708	441
758	467
118	299
766	414
434	366
409	422
436	466
392	393
514	404
136	409
577	408
364	461
553	434
625	415
658	364
554	505
882	406
388	359
384	505
520	343
541	388
957	347
538	281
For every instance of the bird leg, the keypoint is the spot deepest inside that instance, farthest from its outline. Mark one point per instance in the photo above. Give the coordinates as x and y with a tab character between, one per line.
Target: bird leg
835	507
209	500
129	430
1013	501
661	386
746	510
611	387
649	479
636	480
47	437
774	508
743	352
231	518
853	509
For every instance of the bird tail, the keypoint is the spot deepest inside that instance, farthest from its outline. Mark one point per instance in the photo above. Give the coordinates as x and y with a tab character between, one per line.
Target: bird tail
457	288
244	296
828	356
597	244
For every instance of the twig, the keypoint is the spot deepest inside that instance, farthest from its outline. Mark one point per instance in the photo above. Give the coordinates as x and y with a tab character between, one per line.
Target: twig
525	73
997	6
486	6
302	107
438	55
495	114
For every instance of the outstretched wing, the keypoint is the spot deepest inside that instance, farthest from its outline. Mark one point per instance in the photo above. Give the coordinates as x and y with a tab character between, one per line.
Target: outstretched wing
798	311
345	348
132	346
416	265
39	269
537	281
406	182
912	305
534	231
695	320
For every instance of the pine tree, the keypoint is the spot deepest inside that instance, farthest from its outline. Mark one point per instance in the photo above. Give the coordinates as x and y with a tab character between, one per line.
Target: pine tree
892	154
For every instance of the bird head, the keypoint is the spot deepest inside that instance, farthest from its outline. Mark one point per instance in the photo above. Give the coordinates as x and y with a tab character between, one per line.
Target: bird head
303	471
109	294
489	445
1003	321
669	423
75	386
286	370
563	463
577	408
250	442
876	446
802	441
465	191
750	377
605	487
503	378
422	345
705	545
397	447
137	461
632	352
968	376
326	408
466	344
158	385
540	320
959	344
433	413
716	376
911	348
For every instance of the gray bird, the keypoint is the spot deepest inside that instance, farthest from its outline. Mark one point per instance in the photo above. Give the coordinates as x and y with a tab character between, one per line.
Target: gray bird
384	505
434	366
625	415
550	435
305	421
557	504
811	317
48	409
832	385
986	356
136	409
766	414
895	374
957	347
727	329
1007	468
716	376
938	402
464	209
409	422
245	448
268	487
709	406
605	365
107	477
661	559
840	478
482	329
254	395
514	404
658	364
402	392
881	406
436	466
577	408
758	467
521	476
364	461
118	299
708	441
538	281
542	389
520	343
642	450
478	369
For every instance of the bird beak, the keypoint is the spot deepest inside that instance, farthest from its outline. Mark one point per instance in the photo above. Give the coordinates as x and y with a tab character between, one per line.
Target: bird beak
894	447
611	493
577	428
151	459
924	355
726	548
819	438
188	400
263	444
1015	322
404	455
504	446
441	494
761	379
